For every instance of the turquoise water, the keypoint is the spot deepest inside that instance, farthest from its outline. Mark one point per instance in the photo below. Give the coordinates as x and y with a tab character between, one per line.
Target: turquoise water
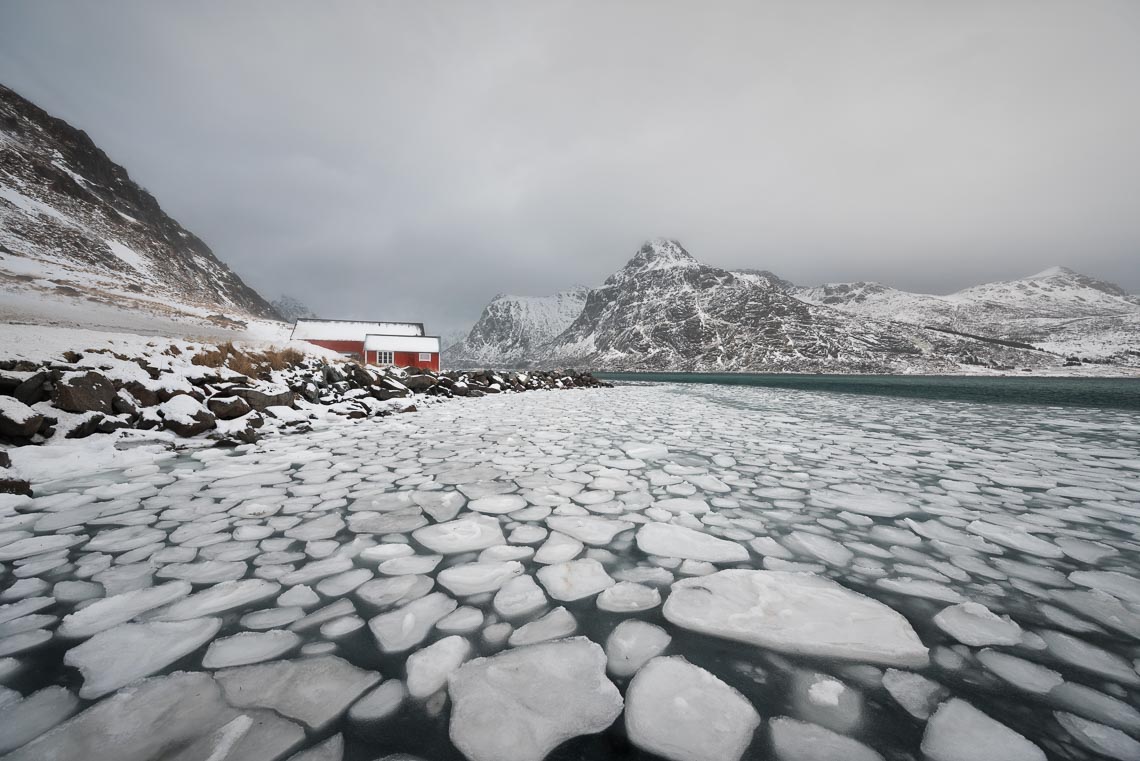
1107	393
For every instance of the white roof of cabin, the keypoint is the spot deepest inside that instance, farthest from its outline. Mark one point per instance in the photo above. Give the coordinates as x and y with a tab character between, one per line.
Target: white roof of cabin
402	343
351	330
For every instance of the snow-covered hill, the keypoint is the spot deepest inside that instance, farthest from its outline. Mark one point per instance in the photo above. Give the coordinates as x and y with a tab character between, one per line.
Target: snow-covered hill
82	244
665	310
1058	309
511	328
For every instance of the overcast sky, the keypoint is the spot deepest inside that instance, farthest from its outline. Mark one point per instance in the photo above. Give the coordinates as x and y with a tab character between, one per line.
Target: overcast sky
409	160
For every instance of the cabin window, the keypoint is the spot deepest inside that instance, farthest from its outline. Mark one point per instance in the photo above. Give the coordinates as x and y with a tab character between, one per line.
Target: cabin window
425	356
384	358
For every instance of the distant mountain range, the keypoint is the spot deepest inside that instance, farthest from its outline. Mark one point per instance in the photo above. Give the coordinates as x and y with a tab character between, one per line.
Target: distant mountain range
77	232
664	310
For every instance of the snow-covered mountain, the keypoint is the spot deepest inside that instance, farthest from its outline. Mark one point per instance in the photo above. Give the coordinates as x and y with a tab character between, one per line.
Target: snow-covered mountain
1058	310
291	308
511	328
665	310
78	237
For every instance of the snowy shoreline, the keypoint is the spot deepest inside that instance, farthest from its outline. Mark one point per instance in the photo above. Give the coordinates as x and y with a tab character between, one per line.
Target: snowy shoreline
61	385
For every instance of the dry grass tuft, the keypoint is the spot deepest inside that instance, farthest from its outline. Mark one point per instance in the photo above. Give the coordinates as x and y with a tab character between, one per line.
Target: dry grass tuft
255	364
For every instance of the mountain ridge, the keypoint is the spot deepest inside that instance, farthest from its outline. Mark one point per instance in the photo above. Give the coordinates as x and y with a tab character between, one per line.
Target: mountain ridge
75	227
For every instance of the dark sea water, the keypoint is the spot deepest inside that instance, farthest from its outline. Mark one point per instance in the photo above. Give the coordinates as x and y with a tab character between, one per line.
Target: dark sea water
1105	393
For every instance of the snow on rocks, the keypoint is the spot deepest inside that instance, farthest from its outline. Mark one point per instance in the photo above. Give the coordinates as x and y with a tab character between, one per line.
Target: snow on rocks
959	732
521	704
683	713
669	540
795	613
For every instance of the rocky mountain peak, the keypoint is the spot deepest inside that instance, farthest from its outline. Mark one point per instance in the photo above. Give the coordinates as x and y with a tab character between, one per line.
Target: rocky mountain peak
658	254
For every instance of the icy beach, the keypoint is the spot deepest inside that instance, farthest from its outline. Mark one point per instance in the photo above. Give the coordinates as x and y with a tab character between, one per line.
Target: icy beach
690	572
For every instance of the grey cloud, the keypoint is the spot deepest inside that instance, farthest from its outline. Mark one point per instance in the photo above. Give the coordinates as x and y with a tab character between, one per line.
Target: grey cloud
410	160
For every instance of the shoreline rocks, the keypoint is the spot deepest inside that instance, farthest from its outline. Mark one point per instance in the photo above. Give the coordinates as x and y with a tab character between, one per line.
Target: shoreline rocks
98	392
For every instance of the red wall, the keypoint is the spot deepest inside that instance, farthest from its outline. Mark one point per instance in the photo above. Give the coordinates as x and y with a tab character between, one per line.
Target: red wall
401	358
410	359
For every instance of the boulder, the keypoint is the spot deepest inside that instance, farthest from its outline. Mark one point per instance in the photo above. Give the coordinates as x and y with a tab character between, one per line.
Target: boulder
18	420
84	392
125	403
34	389
86	426
420	383
228	407
260	399
145	396
186	416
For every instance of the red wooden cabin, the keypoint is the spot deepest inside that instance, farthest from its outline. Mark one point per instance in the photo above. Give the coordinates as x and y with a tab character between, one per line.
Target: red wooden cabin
388	343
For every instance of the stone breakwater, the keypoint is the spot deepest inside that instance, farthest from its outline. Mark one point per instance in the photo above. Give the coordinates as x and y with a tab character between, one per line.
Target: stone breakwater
102	393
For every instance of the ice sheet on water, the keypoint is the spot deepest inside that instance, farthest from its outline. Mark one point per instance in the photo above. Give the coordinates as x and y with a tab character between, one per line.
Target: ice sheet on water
682	712
379	704
222	597
163	717
959	732
628	597
463	535
249	647
118	656
974	624
429	667
111	611
407	626
23	720
556	624
795	613
822	699
669	540
313	691
521	704
575	579
632	644
802	741
917	695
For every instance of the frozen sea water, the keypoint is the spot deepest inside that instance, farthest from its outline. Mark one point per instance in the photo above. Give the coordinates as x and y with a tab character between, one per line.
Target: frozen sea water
870	576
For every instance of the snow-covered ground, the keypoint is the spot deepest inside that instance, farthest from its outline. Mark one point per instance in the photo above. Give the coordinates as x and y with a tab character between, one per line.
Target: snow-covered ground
704	572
